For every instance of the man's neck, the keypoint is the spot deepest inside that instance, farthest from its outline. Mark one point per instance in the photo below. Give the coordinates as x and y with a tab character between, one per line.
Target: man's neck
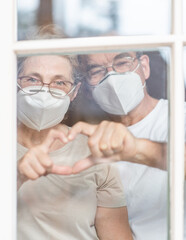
139	113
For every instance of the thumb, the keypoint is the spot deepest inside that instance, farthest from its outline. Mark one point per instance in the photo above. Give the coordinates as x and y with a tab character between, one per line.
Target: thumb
81	127
60	170
82	165
51	137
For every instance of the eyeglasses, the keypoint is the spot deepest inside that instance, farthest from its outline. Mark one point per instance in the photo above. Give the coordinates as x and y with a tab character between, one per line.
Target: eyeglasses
31	85
121	64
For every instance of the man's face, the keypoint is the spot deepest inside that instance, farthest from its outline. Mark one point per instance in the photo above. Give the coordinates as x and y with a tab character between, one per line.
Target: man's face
100	64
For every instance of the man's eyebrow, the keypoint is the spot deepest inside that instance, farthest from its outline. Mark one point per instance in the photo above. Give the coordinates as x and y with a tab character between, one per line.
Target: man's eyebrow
91	66
121	55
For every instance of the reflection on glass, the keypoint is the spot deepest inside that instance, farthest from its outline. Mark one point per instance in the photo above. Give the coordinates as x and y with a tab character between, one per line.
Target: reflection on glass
64	189
135	97
95	73
82	18
54	199
57	202
58	197
122	96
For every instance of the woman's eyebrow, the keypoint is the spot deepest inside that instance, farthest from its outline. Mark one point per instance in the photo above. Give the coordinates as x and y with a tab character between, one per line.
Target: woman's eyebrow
62	77
59	76
33	74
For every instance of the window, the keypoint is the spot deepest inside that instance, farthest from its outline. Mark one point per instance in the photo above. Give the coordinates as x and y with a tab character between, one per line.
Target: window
174	39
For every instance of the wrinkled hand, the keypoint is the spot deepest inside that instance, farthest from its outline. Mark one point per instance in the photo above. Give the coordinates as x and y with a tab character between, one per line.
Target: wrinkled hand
108	142
36	162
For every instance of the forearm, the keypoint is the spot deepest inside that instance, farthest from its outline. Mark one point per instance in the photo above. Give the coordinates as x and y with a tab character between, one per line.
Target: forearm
153	154
112	223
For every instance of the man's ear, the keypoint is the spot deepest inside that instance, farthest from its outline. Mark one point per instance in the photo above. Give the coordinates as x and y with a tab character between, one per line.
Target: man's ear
144	61
75	92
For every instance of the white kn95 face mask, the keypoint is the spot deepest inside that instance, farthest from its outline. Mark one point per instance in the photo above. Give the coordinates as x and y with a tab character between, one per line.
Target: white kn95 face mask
119	93
42	110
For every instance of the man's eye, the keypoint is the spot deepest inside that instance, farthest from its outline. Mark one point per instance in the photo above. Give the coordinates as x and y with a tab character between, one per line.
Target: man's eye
123	63
96	72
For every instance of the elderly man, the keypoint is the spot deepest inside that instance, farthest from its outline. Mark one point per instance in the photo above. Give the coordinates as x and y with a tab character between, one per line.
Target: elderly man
118	85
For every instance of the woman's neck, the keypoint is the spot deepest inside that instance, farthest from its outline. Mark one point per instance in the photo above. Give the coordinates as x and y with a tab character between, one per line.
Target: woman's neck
29	137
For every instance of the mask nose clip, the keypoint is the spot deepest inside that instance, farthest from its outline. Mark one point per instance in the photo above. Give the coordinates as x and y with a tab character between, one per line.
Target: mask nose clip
107	75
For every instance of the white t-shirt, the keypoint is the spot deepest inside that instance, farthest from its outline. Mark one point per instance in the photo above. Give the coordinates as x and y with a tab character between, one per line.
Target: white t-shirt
56	207
146	187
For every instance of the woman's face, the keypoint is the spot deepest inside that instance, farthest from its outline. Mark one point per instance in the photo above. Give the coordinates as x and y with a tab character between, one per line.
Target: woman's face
50	69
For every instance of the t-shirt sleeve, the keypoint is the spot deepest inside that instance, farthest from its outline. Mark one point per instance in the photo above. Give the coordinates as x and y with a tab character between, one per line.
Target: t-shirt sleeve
109	187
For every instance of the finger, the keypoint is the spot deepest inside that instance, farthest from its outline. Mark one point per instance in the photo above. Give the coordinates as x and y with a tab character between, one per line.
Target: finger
117	138
37	167
105	141
43	164
60	170
81	127
51	137
43	158
90	161
99	142
27	171
30	160
94	148
38	160
82	165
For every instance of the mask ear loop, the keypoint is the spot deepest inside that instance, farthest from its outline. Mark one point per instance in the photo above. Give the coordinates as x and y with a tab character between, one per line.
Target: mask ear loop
136	67
71	90
144	85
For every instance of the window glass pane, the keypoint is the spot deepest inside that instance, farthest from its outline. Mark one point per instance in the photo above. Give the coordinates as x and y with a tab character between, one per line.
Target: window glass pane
45	205
156	85
85	18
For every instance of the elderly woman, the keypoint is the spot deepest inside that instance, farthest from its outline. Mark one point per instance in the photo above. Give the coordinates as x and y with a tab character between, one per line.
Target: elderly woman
52	205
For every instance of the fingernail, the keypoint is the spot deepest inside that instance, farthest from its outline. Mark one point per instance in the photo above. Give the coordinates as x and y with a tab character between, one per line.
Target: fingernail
104	146
70	137
65	140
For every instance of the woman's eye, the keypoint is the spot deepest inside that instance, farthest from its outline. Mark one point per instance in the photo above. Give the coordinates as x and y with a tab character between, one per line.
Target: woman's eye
60	83
32	80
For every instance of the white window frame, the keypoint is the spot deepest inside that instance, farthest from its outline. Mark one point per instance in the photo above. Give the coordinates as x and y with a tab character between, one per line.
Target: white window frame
10	48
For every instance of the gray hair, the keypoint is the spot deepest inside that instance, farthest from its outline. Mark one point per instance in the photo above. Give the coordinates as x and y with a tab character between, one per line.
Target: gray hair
83	64
50	32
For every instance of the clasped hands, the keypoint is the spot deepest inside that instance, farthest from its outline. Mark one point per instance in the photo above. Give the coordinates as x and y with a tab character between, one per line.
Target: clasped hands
108	142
